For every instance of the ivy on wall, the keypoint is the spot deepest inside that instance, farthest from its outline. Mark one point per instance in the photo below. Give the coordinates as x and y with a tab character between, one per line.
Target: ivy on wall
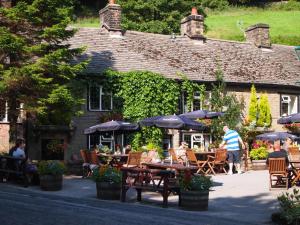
144	94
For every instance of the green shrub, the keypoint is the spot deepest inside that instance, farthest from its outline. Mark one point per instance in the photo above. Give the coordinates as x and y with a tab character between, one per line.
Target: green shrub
289	209
287	6
107	174
259	153
189	182
51	167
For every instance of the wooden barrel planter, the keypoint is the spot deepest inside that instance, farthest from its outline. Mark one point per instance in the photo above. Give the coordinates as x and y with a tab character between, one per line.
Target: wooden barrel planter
108	191
51	182
194	200
259	164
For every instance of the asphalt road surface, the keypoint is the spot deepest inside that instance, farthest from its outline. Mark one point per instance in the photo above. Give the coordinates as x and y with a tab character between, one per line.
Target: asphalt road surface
23	207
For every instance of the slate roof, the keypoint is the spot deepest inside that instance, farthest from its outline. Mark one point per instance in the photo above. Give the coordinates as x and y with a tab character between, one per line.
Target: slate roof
241	62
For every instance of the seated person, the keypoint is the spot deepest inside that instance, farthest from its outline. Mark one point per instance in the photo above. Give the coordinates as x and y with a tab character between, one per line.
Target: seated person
18	150
181	151
278	153
288	143
150	157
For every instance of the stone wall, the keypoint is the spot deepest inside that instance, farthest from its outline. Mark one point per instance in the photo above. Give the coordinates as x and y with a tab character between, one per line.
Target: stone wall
259	35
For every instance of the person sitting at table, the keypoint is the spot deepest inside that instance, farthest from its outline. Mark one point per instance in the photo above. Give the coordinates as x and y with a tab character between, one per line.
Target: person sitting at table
288	143
278	153
181	152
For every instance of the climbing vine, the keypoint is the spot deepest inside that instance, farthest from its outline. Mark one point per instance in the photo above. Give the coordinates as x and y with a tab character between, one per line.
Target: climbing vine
144	94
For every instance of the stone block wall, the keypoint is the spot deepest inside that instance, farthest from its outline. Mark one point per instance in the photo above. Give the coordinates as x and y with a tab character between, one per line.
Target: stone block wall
4	137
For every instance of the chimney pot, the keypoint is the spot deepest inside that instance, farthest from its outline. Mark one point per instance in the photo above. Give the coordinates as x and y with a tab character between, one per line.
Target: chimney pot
111	2
194	11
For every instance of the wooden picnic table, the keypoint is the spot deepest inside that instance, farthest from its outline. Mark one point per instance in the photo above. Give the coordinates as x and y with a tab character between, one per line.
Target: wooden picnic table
175	166
142	179
204	155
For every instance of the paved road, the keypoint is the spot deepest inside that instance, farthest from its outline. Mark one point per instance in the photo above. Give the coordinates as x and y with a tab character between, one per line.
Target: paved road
24	207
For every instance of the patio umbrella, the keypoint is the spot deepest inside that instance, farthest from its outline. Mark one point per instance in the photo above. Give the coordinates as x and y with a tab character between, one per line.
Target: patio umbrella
173	122
293	118
201	114
113	126
272	136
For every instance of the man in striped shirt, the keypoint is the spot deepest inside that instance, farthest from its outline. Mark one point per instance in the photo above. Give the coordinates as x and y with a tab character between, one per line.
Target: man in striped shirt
232	140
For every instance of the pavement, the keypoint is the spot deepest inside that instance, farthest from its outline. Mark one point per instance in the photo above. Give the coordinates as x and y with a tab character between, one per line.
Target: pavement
242	198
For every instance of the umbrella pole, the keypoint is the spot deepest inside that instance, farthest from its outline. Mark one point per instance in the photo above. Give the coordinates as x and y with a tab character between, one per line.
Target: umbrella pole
114	141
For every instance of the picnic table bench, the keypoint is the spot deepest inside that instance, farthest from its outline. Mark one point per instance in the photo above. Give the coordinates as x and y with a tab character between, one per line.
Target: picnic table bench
155	180
13	168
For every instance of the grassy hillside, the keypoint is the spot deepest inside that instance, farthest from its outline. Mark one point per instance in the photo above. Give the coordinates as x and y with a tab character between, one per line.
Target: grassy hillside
285	25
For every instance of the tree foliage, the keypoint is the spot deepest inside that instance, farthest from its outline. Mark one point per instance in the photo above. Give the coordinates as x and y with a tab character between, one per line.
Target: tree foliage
253	106
264	117
36	63
156	16
223	101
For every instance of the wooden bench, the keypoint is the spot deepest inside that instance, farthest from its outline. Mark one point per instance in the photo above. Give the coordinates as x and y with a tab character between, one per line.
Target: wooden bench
154	180
13	168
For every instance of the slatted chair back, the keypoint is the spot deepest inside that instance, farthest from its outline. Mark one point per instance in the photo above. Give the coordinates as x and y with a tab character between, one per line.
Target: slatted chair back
94	158
294	155
220	155
173	154
293	151
277	166
134	159
191	157
84	156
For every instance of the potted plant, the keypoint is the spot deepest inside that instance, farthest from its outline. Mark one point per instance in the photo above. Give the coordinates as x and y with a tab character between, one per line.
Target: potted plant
258	157
51	175
194	191
108	182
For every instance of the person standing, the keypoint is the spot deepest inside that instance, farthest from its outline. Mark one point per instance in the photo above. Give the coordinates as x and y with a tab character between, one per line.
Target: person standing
18	150
231	140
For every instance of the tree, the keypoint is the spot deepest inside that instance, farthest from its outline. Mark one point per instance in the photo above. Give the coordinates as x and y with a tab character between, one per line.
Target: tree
253	106
223	101
156	16
264	118
36	64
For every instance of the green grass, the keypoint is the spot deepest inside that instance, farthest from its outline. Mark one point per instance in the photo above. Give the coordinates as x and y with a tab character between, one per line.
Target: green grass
284	25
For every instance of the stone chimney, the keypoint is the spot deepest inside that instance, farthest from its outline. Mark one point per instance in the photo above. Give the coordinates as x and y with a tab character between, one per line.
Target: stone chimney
110	18
5	3
258	35
193	25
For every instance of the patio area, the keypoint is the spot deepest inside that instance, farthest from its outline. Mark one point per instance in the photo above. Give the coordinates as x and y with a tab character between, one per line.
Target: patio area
244	198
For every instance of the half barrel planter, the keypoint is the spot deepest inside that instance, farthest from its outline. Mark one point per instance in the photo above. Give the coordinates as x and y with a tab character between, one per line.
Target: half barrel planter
259	164
194	200
108	191
51	182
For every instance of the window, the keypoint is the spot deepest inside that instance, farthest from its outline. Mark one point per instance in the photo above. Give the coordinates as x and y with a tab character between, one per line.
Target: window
289	104
99	100
197	140
198	104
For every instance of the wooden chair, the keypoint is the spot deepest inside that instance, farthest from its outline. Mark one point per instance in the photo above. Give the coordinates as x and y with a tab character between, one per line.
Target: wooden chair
193	161
94	160
86	171
293	150
217	162
294	158
173	156
278	173
134	159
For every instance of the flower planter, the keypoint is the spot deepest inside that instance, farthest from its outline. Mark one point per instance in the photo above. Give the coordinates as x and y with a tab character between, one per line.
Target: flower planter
51	182
194	200
259	164
108	191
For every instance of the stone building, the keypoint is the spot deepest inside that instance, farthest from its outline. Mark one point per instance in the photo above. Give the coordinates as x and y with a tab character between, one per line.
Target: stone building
274	69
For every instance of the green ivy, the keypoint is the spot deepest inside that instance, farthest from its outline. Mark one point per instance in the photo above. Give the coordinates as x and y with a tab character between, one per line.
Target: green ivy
144	94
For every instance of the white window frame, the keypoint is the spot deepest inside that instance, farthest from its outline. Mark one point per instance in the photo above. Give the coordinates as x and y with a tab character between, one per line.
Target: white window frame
286	98
202	142
184	105
101	93
5	116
